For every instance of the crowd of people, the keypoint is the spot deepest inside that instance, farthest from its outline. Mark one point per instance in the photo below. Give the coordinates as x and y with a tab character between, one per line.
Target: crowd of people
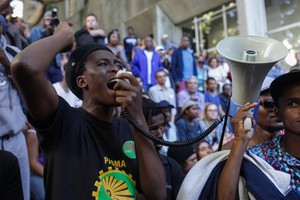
62	106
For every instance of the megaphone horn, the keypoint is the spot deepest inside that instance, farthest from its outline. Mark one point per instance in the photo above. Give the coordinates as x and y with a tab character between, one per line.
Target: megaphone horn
249	58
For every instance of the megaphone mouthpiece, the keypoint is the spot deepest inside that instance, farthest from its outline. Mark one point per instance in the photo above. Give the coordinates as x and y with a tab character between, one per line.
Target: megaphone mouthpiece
250	55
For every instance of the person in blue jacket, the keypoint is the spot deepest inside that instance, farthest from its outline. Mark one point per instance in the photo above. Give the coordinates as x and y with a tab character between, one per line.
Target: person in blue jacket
146	63
183	64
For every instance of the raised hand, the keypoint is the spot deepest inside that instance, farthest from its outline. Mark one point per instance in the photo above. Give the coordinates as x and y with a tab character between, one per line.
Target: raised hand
237	122
65	28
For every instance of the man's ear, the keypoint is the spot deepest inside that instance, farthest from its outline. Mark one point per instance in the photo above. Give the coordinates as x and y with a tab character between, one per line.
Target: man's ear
81	81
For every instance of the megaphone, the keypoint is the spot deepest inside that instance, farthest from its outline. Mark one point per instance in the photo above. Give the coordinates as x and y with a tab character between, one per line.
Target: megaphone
249	58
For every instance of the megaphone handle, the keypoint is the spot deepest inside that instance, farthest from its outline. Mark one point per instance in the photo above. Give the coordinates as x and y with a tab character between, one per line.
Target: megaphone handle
247	124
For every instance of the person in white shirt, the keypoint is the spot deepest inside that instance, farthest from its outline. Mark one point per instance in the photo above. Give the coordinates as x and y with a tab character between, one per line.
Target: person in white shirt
161	92
63	90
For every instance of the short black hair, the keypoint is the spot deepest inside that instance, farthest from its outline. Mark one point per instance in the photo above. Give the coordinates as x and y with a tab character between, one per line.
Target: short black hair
112	32
283	83
160	70
210	59
93	15
185	36
210	78
225	84
152	109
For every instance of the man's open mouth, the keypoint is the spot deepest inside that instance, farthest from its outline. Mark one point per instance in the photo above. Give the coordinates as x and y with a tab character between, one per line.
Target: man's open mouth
112	83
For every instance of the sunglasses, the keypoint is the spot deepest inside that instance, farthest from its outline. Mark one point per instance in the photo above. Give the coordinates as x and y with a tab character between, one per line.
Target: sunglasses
268	104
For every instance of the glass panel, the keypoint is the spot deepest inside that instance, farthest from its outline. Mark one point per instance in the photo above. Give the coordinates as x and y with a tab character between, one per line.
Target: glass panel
212	29
282	12
212	26
283	16
291	39
232	25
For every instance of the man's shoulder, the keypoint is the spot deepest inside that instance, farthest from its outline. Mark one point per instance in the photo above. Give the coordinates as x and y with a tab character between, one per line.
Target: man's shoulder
80	32
166	160
221	95
37	29
177	51
199	94
170	90
141	52
154	88
180	121
268	146
182	93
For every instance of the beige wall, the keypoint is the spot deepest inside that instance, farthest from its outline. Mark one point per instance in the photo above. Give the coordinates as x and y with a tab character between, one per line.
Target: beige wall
147	16
113	13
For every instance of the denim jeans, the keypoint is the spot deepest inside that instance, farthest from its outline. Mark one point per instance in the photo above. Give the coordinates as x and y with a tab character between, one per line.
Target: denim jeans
37	191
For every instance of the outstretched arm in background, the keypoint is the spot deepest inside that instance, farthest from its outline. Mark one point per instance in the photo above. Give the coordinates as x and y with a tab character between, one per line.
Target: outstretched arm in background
4	4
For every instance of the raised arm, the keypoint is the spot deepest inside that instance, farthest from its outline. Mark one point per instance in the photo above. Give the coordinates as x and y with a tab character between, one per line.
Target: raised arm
97	32
33	152
228	180
151	172
4	4
28	72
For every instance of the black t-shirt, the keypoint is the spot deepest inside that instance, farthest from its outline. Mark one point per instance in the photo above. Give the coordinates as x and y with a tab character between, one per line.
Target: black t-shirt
87	158
129	43
10	177
174	176
84	37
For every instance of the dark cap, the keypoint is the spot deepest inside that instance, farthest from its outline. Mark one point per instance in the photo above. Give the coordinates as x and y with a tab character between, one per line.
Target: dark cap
165	104
283	83
75	65
180	154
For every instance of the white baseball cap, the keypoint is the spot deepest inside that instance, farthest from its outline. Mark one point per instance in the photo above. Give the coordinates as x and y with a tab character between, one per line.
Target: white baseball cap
164	36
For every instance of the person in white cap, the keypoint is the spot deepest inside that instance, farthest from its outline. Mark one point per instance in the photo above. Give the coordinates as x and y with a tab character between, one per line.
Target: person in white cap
188	126
165	41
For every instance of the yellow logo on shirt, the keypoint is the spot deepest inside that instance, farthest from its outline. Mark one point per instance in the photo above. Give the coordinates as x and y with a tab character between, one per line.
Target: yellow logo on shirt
115	163
114	184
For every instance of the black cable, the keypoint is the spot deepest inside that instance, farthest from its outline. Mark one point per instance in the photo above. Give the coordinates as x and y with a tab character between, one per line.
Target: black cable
224	126
150	136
